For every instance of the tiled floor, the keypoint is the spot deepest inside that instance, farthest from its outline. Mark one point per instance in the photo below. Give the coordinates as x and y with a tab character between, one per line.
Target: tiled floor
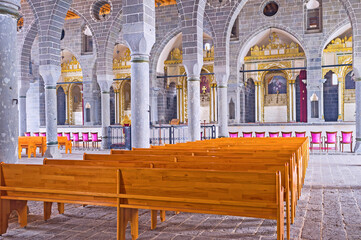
329	208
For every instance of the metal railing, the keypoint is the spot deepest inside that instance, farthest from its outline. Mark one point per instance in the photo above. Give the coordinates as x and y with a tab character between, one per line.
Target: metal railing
120	137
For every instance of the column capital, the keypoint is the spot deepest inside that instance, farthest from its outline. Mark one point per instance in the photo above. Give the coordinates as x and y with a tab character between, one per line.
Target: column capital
105	81
10	7
193	67
50	74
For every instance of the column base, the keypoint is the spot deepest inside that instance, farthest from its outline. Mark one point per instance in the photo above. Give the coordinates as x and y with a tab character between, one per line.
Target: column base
52	151
358	147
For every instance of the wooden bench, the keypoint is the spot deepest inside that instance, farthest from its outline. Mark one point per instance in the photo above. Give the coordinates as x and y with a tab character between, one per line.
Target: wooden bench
245	166
258	195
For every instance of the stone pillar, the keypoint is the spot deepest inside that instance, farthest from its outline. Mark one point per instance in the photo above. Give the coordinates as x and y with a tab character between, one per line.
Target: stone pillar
8	81
357	77
139	33
66	92
222	81
140	105
105	82
89	102
154	104
222	111
51	74
292	100
258	110
340	99
314	88
23	89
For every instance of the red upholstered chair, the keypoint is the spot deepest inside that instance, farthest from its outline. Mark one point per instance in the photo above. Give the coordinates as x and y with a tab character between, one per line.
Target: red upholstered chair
346	138
286	134
95	139
43	134
233	134
60	134
247	134
67	134
27	134
36	134
300	134
273	134
316	139
260	134
86	139
76	139
331	138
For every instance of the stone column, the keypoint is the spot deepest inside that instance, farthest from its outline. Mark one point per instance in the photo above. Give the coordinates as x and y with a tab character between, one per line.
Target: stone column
105	82
89	100
314	87
292	100
8	81
140	105
51	74
194	127
66	92
23	89
222	111
139	33
222	81
340	99
154	104
257	86
357	77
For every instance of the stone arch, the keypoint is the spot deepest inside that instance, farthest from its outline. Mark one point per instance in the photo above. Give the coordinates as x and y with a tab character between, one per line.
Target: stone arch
25	50
335	32
246	44
107	52
86	22
157	51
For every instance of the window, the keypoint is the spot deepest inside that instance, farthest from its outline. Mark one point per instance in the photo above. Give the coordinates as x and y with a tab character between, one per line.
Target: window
313	19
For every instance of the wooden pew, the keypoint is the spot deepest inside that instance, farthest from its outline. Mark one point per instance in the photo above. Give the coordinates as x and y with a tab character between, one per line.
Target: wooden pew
259	194
251	166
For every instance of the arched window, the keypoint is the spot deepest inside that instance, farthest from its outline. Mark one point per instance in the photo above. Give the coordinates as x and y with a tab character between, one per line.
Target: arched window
349	82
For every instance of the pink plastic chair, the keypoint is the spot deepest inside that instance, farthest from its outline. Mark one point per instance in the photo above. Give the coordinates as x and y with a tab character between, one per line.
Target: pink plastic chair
86	139
274	134
346	138
247	134
316	139
76	139
286	134
27	134
60	134
260	134
300	134
36	134
43	134
233	134
331	138
67	134
95	139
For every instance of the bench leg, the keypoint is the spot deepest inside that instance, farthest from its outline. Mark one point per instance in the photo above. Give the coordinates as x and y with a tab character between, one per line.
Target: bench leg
125	215
134	223
162	215
4	215
153	214
47	210
61	208
21	208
